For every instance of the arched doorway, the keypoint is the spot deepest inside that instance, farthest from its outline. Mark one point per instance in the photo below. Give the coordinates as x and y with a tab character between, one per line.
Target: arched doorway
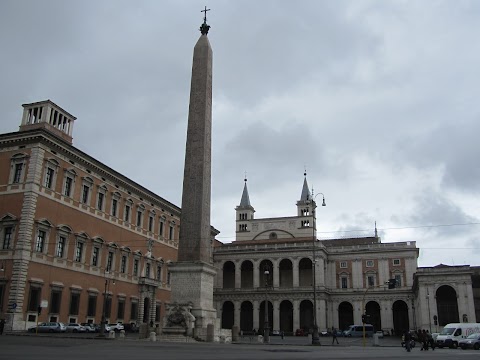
146	310
286	273
306	315
227	315
246	316
345	315
286	316
373	310
247	275
400	317
229	275
265	280
305	272
447	306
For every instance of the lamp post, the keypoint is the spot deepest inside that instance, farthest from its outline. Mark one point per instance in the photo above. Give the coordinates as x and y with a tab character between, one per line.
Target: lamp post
429	314
104	315
315	336
266	327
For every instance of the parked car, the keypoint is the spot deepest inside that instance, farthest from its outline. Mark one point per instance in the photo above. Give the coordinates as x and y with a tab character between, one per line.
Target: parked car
132	327
48	327
472	341
89	327
379	333
116	327
275	332
300	332
73	327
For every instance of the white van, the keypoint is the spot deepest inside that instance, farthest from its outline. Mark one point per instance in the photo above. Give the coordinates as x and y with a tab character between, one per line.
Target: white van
357	331
453	333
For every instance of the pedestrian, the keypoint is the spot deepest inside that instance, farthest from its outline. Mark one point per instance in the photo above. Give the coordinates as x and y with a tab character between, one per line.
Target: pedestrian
406	339
282	334
425	340
430	341
334	336
2	326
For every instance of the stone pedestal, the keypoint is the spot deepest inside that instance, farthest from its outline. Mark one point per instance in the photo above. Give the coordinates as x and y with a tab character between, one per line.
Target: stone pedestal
193	284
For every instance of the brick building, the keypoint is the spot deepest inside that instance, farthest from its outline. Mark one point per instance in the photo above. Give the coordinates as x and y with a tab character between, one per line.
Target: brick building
77	238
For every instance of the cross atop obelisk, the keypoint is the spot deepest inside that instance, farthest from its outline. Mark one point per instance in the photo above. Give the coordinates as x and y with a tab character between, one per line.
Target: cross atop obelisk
204	27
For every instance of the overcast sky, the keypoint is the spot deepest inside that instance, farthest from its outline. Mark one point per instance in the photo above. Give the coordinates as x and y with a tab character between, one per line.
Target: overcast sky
378	100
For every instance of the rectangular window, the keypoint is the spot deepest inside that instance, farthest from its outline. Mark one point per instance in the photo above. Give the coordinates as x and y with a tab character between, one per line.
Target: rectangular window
7	237
127	213
108	307
74	303
344	283
371	280
396	262
398	279
92	305
123	265
40	243
161	229
78	251
139	218
150	223
121	309
147	270
34	299
170	233
159	273
343	264
95	253
168	278
157	312
61	246
85	192
369	263
114	207
135	267
49	178
18	173
68	186
134	311
55	301
109	260
100	201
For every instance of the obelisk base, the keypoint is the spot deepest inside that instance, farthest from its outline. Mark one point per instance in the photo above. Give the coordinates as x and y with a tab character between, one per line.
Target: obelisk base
192	283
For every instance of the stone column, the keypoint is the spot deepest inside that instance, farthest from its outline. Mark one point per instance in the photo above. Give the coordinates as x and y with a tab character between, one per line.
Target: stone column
238	275
256	314
295	274
236	315
256	274
296	315
276	315
276	277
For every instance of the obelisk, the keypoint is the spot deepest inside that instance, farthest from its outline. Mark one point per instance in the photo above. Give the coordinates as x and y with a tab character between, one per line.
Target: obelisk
192	276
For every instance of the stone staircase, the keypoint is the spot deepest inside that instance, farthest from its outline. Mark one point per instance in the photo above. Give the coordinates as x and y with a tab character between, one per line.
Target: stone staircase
175	338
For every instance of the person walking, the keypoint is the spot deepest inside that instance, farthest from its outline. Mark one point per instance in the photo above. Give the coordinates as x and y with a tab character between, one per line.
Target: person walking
425	340
334	336
406	339
2	326
430	341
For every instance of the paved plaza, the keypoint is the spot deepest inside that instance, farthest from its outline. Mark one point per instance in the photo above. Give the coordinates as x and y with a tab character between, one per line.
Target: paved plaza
78	347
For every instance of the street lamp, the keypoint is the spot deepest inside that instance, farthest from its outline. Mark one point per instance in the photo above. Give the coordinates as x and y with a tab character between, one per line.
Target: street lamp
429	314
315	335
266	328
104	316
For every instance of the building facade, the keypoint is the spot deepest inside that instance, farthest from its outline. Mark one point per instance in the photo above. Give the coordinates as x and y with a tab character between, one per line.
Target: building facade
78	240
280	262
